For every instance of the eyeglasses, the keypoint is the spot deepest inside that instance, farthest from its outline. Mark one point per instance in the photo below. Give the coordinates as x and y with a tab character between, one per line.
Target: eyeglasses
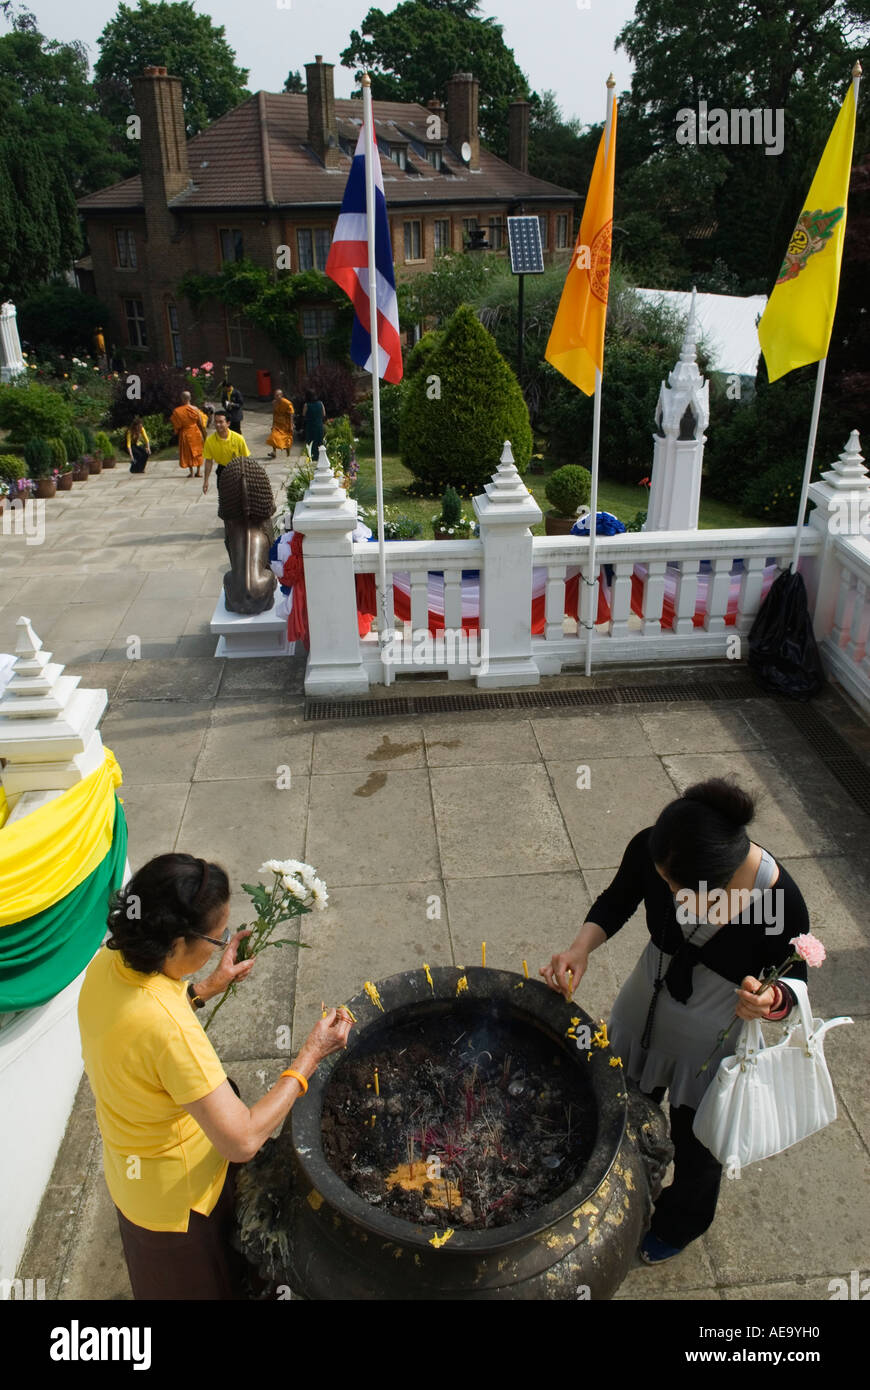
223	941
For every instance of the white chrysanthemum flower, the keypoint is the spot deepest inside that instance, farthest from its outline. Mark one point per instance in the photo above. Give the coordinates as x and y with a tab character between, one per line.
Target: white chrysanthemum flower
272	866
319	895
304	871
296	889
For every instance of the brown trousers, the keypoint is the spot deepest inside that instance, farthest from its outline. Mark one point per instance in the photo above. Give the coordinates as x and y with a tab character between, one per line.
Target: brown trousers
198	1263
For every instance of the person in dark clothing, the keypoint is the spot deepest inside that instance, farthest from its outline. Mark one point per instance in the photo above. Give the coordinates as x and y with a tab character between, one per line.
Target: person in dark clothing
314	420
720	910
233	403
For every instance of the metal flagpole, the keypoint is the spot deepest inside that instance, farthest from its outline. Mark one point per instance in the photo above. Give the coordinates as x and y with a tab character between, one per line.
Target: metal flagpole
592	579
384	635
817	405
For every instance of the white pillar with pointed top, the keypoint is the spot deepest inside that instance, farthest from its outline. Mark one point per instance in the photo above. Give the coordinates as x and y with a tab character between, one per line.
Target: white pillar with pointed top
506	511
327	518
682	415
12	363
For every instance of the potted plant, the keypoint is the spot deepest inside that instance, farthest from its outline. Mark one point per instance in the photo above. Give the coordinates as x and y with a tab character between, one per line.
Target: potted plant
105	449
398	526
74	443
451	524
567	490
90	455
62	465
4	493
39	459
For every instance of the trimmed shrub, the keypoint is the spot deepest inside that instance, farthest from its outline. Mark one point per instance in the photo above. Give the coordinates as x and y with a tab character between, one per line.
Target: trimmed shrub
462	403
74	443
568	488
159	432
338	438
333	384
392	400
160	388
773	495
33	411
88	436
58	454
103	445
451	507
12	468
38	458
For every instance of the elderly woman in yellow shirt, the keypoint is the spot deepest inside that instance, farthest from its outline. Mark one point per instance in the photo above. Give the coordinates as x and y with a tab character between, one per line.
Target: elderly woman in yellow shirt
172	1124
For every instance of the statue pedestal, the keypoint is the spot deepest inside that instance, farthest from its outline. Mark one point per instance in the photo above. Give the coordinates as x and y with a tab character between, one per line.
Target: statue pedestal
258	634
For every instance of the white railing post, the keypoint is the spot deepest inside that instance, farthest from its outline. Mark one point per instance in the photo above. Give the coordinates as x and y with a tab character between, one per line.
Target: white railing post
842	508
327	518
506	510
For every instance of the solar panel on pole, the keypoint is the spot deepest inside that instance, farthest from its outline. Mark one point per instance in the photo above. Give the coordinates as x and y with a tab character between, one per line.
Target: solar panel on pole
527	258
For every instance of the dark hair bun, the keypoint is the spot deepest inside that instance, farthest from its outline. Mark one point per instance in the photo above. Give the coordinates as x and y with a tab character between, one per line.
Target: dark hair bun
724	796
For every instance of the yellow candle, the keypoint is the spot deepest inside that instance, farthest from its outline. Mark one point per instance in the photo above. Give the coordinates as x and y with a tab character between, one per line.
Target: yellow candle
483	953
377	1084
526	968
570	982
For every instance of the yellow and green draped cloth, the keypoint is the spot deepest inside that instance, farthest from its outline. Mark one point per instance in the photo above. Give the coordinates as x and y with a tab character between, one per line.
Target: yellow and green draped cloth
59	867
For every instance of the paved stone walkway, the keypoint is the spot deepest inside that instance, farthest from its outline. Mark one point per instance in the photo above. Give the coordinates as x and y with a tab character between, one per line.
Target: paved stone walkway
481	810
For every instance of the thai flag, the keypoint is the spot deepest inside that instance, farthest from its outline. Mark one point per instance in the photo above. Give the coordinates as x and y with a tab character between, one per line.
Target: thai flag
348	266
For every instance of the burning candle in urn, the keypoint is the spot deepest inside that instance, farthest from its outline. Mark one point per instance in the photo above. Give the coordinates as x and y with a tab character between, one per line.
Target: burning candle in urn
377	1083
483	953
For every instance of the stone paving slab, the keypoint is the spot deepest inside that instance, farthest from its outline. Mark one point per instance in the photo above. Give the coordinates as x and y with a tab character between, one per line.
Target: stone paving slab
432	833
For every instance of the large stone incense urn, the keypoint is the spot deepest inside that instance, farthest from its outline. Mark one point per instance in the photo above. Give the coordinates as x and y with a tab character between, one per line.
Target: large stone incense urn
304	1228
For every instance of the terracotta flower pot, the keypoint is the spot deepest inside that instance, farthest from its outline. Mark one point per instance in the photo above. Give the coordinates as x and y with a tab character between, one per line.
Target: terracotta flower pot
108	462
45	487
95	465
80	472
65	482
555	525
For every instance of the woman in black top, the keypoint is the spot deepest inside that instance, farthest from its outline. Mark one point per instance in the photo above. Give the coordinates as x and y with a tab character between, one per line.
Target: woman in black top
700	968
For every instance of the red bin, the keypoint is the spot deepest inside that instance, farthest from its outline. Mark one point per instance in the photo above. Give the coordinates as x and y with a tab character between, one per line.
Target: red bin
264	385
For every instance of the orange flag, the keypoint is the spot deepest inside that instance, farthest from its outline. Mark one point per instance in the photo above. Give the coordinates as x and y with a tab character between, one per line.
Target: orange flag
576	344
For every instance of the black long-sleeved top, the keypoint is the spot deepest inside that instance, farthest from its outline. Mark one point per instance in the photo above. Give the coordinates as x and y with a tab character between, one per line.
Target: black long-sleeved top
743	946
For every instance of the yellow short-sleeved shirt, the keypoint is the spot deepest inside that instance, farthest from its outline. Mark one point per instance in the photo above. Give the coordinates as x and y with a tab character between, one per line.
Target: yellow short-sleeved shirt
222	450
147	1056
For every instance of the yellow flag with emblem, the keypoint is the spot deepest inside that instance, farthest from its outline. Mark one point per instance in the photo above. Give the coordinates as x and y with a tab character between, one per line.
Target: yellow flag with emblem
576	343
795	328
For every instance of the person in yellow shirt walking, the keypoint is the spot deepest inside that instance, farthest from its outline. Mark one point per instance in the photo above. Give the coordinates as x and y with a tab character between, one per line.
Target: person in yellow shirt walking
172	1124
222	446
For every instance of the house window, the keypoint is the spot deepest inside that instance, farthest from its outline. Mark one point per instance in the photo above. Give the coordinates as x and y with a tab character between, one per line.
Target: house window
413	241
317	324
469	229
125	249
232	244
442	234
134	312
562	231
434	157
238	337
496	233
174	336
312	244
400	155
544	224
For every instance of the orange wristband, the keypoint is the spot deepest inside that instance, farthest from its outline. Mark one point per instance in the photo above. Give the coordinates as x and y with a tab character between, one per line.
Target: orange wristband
297	1076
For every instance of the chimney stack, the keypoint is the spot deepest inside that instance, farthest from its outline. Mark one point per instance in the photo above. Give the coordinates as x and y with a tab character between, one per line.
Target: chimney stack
163	144
322	130
462	102
518	135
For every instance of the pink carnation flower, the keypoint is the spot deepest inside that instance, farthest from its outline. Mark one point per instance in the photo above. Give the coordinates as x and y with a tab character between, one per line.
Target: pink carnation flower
809	948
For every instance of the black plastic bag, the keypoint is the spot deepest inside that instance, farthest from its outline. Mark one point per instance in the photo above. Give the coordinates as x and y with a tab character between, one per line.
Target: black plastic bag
782	649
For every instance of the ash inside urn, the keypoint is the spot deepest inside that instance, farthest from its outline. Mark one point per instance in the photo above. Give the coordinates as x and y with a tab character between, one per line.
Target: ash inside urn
480	1120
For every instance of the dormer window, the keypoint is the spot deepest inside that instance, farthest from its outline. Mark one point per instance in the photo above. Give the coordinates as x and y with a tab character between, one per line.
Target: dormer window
400	155
434	157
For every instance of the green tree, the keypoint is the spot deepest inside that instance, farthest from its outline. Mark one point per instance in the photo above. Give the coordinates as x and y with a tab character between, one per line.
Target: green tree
795	59
459	409
413	52
38	218
294	83
60	317
187	44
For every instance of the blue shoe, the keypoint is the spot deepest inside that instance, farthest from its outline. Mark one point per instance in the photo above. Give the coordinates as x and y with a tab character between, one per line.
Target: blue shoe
654	1251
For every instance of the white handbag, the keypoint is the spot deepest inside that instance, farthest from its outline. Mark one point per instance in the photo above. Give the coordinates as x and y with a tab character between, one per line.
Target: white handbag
766	1098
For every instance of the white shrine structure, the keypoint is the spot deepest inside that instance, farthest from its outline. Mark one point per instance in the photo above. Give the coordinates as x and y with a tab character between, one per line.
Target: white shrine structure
12	363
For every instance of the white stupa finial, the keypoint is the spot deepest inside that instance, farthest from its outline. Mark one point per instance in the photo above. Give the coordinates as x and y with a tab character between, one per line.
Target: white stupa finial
688	351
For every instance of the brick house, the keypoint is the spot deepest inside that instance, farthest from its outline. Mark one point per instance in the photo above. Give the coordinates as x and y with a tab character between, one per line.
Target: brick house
271	174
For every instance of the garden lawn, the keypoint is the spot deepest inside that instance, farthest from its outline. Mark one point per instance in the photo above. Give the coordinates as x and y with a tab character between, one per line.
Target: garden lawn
622	499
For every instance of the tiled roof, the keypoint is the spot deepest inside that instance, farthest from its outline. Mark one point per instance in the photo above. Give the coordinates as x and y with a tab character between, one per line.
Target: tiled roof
227	163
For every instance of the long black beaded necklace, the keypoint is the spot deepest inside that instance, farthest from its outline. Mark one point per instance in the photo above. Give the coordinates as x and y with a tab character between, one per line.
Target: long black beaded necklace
657	985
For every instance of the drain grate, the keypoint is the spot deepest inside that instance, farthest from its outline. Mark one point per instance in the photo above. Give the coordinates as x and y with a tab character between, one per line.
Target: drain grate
739	687
836	752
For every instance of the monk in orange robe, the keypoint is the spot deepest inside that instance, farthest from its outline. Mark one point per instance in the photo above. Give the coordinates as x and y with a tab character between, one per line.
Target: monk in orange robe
189	424
282	424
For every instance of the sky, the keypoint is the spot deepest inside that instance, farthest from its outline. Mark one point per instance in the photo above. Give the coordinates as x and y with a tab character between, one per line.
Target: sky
566	46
